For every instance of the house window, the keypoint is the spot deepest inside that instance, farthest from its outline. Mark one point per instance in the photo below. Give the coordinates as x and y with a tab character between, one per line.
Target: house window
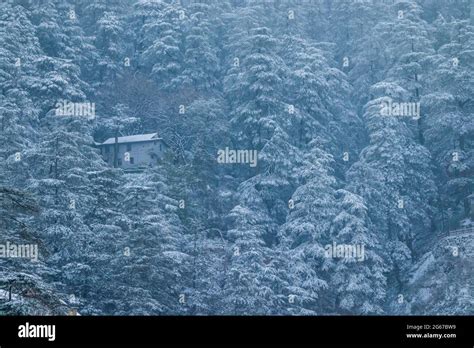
107	150
129	147
119	162
161	147
132	160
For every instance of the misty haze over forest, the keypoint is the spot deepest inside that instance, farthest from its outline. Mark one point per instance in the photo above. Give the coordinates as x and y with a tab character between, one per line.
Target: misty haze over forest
285	158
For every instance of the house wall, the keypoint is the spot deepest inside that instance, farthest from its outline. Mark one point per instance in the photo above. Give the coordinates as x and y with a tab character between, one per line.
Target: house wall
141	153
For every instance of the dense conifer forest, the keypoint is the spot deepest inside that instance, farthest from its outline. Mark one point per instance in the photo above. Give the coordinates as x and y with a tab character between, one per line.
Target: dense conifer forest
320	157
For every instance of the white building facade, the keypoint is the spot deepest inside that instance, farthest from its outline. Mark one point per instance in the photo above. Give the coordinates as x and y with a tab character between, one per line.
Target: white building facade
134	151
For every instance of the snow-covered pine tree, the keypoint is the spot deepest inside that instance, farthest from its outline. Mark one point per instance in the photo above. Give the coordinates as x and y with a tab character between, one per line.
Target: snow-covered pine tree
357	282
448	121
394	176
200	58
307	229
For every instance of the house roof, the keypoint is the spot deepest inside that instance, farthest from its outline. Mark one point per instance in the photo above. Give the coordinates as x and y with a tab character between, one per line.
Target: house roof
133	139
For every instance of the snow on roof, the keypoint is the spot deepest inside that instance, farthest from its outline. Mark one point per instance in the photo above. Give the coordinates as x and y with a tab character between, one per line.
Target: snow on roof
133	139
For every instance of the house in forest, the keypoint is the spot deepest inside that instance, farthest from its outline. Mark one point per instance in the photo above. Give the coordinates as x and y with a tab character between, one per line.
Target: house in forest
133	151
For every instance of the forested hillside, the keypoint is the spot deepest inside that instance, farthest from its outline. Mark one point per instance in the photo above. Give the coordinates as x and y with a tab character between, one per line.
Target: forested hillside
360	197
